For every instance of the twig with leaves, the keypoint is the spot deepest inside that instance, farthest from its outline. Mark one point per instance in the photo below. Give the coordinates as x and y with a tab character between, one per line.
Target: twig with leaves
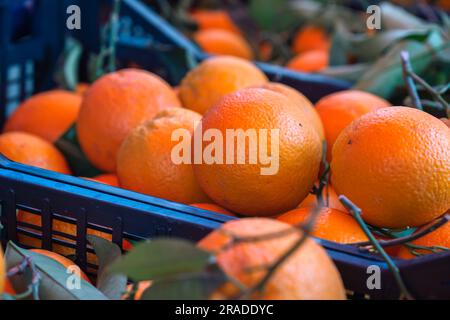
411	78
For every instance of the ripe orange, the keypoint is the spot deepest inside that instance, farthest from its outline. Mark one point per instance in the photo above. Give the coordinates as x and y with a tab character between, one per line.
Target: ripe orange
109	179
310	61
8	287
339	109
311	38
446	121
2	272
212	207
301	101
82	88
145	160
221	42
330	199
246	185
331	224
33	151
394	163
142	286
115	104
216	77
214	19
66	263
308	274
47	115
61	227
440	237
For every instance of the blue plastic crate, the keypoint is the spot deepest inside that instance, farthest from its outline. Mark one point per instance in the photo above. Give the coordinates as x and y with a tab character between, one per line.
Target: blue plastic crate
126	214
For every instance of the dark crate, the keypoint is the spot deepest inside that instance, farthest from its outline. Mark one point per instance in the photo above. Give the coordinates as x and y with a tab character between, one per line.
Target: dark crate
125	214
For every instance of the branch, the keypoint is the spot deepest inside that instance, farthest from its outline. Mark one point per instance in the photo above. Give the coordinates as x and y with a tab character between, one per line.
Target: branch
356	212
394	242
410	85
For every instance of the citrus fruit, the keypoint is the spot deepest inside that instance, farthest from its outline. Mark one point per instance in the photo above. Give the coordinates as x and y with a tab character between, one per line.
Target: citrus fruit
2	272
331	224
222	42
339	109
216	77
81	88
310	61
68	229
214	19
109	179
141	287
239	178
8	287
47	115
66	263
301	101
308	274
330	199
394	163
212	207
446	121
146	163
33	151
438	238
311	38
115	104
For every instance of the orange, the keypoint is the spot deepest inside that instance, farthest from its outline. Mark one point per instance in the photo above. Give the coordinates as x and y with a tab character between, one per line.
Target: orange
66	228
214	19
439	237
246	184
33	151
331	224
66	263
339	109
145	162
109	179
142	286
446	121
310	61
2	272
222	42
115	104
311	38
301	101
81	88
394	163
308	274
8	288
47	115
330	199
212	207
216	77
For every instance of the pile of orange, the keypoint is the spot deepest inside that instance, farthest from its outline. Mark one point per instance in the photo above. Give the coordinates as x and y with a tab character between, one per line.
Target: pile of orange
392	162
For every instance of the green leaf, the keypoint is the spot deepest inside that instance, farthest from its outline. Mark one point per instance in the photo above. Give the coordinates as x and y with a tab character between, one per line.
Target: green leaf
369	49
385	76
340	44
54	277
272	15
395	17
67	74
111	284
69	146
155	259
195	286
350	73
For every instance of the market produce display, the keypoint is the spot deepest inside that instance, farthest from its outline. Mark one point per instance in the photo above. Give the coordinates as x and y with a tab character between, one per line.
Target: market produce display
367	167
